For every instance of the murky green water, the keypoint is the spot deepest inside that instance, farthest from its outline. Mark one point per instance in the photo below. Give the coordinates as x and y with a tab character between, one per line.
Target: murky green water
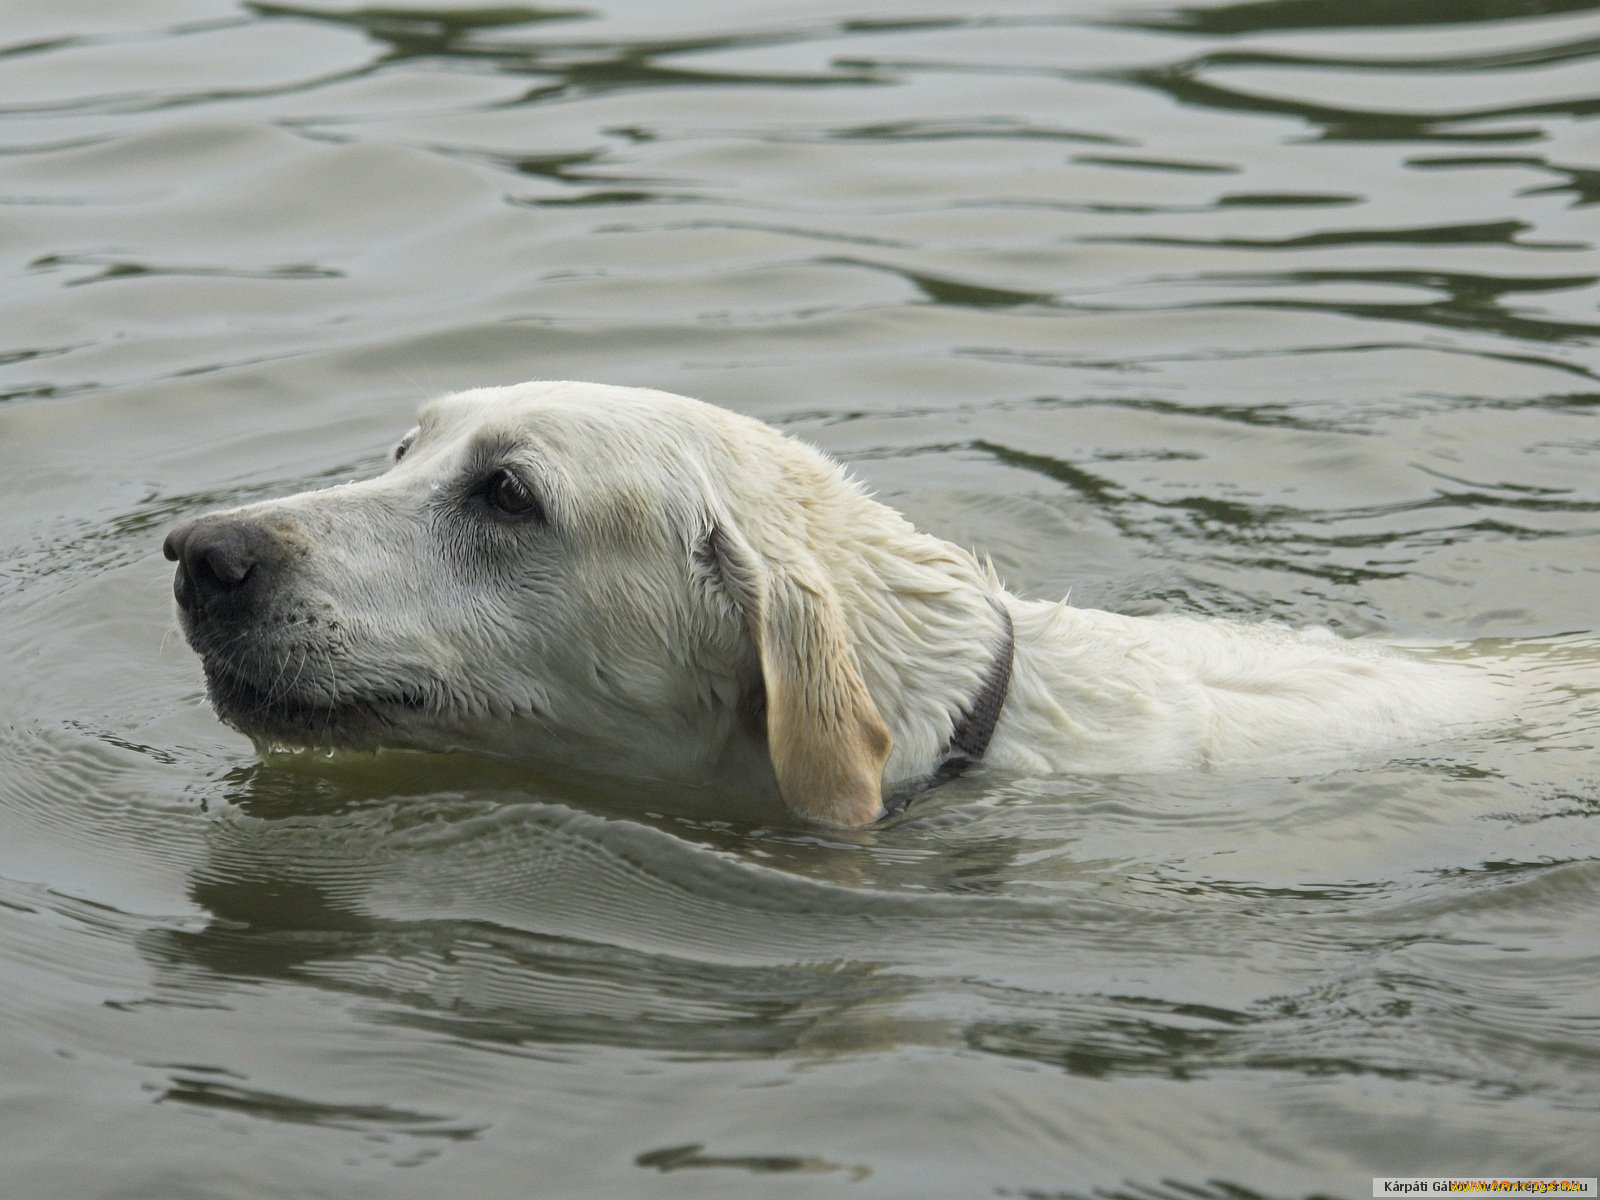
1285	307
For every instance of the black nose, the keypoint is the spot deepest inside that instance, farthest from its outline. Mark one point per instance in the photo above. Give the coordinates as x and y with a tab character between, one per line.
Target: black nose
219	562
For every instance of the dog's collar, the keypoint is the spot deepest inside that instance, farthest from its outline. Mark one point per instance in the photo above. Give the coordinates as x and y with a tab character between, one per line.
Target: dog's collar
972	733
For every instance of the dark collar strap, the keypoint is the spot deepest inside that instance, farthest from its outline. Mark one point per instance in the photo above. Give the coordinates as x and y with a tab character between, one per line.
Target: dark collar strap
972	733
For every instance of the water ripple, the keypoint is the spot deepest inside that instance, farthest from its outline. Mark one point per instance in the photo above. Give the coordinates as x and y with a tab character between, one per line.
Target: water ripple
1269	309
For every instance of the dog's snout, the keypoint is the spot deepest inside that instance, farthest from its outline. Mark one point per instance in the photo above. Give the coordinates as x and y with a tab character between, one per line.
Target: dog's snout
220	561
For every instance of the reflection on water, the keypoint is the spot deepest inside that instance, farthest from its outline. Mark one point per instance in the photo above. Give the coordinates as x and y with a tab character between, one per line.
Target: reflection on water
1281	308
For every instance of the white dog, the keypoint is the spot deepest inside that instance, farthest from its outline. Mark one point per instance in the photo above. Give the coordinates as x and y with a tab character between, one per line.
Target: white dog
620	583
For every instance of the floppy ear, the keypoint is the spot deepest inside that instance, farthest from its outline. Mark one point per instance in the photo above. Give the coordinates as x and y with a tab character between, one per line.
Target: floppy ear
827	740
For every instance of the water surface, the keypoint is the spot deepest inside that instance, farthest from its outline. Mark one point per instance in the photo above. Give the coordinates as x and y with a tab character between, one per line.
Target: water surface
1283	309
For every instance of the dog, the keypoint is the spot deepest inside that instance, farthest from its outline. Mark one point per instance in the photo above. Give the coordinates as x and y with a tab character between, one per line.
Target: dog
626	585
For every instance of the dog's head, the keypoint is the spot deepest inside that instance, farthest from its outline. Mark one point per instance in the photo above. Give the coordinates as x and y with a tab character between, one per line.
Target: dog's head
617	581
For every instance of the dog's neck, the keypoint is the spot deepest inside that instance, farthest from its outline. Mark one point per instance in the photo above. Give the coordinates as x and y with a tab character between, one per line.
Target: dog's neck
933	640
973	732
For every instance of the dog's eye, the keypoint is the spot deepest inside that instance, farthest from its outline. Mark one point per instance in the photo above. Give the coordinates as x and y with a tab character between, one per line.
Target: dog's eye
400	450
505	493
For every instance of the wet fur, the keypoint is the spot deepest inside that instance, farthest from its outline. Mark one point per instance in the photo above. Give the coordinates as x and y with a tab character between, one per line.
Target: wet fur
703	602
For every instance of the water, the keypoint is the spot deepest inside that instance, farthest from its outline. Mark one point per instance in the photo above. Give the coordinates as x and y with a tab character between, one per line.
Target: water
1283	308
